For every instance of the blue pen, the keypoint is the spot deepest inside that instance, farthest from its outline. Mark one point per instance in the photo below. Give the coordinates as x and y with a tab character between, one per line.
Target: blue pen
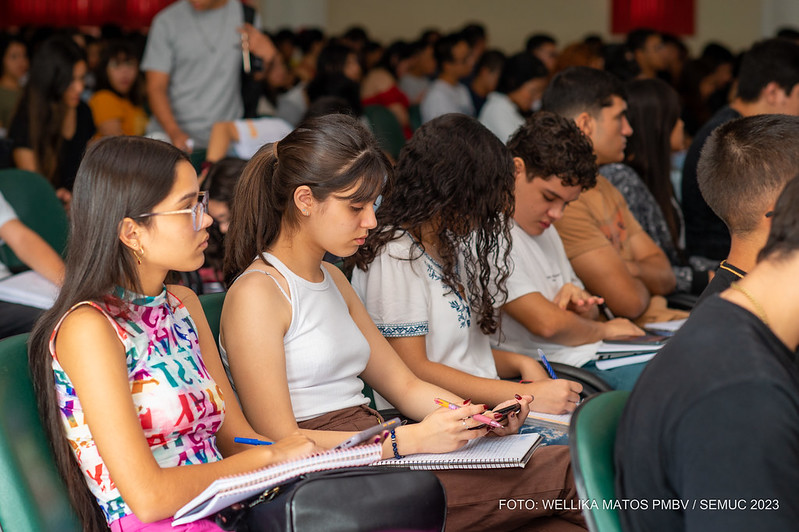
546	364
251	441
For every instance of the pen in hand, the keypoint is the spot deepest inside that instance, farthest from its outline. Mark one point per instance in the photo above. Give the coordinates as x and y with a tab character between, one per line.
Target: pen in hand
252	441
477	417
606	311
545	362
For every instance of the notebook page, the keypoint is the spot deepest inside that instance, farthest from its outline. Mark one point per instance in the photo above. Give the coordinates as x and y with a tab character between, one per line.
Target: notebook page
480	453
227	490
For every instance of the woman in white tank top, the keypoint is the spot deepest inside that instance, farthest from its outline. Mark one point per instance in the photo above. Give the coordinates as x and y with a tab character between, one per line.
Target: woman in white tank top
296	337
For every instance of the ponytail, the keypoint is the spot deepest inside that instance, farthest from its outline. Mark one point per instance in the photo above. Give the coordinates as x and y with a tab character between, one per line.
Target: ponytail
256	212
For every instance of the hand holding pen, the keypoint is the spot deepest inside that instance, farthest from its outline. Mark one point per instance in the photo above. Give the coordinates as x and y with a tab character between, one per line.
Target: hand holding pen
477	417
515	411
442	430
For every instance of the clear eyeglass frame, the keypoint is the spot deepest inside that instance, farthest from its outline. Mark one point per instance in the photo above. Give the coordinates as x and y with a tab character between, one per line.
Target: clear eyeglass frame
197	211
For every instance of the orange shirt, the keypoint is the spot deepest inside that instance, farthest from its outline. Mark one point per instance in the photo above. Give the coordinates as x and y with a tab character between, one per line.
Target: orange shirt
108	106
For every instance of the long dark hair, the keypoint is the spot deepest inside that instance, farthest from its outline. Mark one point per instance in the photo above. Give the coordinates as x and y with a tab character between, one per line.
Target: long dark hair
653	109
220	184
50	76
118	177
328	153
120	50
455	174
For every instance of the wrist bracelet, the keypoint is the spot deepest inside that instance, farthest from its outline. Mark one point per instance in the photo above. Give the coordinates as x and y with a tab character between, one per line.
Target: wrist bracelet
397	455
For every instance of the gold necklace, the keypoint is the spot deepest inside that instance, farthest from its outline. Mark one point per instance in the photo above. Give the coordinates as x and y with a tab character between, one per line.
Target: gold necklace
724	266
761	313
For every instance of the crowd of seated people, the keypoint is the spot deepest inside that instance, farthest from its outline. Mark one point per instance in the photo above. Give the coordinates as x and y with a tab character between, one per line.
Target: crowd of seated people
545	199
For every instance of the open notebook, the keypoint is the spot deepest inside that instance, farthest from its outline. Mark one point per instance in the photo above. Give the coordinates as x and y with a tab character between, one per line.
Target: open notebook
228	490
480	453
28	288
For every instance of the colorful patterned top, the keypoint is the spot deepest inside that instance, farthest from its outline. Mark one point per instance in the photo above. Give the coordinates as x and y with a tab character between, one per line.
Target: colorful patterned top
179	405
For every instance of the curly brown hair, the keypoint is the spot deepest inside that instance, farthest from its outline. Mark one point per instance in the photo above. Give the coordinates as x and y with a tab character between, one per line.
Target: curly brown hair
455	176
550	144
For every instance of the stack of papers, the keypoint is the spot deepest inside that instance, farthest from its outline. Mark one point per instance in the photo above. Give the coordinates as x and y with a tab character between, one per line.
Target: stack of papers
28	288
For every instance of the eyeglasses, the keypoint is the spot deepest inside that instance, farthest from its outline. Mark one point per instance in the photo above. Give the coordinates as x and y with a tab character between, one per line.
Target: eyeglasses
197	211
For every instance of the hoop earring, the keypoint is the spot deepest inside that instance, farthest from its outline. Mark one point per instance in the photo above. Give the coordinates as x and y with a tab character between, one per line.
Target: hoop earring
139	256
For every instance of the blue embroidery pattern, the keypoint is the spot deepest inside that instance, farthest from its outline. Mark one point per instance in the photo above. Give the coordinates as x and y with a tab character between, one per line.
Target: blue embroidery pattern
464	312
431	272
402	330
459	306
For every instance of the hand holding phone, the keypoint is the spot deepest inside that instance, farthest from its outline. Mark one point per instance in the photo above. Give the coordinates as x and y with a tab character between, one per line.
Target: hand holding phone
504	411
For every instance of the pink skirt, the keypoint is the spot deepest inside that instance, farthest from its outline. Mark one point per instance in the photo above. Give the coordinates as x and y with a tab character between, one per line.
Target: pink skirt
130	523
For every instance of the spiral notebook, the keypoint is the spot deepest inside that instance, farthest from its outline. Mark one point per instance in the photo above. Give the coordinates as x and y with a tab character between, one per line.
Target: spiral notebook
480	453
228	490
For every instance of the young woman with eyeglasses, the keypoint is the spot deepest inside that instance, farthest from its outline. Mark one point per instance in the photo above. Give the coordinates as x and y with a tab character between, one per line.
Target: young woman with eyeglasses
129	383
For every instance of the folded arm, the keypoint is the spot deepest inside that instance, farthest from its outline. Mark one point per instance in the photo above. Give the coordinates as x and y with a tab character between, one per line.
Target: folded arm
651	265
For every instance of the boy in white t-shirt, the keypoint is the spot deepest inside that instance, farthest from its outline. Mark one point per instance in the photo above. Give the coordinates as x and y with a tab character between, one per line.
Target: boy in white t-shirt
547	306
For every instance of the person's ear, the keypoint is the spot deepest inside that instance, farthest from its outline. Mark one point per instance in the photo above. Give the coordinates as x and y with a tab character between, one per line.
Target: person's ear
585	122
772	94
519	169
130	233
304	200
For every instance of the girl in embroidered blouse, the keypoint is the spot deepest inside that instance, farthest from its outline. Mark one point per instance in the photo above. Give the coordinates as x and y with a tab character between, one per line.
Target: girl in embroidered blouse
439	258
128	379
295	336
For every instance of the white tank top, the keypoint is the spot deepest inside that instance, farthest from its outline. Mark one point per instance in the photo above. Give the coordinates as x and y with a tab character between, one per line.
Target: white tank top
325	350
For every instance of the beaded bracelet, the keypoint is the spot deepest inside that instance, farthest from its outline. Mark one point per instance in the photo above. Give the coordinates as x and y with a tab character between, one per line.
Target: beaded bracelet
397	455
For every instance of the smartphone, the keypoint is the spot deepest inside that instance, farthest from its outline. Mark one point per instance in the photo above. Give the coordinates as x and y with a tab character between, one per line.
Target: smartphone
622	354
505	411
369	435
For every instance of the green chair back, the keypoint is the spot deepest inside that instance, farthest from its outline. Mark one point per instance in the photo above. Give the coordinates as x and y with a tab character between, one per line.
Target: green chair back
34	200
212	306
197	157
386	128
32	496
592	437
415	116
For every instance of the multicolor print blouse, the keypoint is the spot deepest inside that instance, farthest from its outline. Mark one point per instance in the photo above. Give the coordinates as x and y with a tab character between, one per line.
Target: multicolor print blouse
179	405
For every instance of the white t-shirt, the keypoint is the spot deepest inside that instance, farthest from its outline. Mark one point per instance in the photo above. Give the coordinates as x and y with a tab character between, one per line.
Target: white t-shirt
6	215
539	265
443	98
407	298
255	132
500	115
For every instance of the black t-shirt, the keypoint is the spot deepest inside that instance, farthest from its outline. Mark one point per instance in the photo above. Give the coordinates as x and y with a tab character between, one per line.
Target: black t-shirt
705	234
71	152
713	422
726	274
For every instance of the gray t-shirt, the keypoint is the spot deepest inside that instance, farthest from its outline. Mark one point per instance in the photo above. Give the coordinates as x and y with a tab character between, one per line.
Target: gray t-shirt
201	52
6	215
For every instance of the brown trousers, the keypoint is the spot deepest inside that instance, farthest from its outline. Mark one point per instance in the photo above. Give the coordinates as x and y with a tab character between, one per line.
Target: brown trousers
480	499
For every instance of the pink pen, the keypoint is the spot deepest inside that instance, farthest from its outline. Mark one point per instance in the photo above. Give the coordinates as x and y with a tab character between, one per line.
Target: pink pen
483	419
